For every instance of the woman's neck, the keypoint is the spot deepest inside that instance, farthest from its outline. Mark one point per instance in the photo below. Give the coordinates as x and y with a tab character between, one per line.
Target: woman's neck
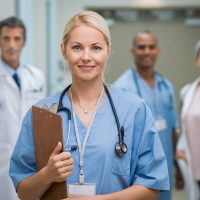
86	93
84	97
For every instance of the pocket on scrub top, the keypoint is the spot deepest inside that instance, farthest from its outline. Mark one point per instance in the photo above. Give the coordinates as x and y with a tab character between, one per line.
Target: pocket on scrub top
121	165
168	101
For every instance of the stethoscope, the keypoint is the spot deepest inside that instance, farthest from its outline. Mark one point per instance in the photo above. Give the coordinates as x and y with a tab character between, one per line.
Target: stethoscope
120	147
170	105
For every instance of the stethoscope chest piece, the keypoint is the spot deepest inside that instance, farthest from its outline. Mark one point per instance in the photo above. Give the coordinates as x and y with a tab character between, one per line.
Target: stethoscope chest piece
121	149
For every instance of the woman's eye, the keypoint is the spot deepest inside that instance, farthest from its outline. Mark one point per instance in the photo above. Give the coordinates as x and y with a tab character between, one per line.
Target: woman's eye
76	47
97	48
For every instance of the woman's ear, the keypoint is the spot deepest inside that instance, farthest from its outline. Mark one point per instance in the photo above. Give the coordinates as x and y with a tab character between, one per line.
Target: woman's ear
62	47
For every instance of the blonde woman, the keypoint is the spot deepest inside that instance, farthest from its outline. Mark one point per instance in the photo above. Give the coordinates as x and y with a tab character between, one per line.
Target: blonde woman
119	154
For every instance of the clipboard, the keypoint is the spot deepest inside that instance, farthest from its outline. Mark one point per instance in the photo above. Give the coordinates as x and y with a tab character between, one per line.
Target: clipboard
47	129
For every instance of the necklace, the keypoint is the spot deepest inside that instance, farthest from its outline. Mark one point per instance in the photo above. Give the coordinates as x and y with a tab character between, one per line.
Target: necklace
85	110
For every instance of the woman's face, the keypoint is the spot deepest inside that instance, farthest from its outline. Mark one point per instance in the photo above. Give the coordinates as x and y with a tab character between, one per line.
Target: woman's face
86	52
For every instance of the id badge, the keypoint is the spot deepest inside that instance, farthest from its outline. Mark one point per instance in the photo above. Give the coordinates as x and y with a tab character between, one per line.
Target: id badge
161	124
84	189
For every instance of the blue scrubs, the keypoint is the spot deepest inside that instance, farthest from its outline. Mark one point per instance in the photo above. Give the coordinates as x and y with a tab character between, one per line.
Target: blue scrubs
144	164
160	99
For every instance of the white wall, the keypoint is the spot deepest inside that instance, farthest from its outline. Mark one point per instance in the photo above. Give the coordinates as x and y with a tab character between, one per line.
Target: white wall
40	34
130	3
66	8
7	8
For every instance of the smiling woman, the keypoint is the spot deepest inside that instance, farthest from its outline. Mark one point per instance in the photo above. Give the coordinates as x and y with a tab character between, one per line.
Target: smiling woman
86	52
119	152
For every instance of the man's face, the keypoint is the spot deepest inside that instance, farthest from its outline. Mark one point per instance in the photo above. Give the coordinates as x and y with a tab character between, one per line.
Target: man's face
145	50
11	43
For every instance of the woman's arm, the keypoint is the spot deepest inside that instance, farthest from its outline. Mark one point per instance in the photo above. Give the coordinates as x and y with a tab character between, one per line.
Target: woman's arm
58	168
135	192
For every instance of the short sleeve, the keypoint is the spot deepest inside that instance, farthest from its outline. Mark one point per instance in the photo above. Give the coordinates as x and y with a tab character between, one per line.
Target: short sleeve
151	169
22	163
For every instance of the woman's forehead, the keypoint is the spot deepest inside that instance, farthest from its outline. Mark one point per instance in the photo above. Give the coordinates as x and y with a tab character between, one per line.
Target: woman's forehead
85	33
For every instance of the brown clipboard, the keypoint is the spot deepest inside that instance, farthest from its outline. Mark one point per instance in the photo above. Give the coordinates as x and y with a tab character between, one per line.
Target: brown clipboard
47	128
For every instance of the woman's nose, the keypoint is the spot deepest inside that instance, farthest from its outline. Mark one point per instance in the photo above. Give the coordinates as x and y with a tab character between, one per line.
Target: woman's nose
86	55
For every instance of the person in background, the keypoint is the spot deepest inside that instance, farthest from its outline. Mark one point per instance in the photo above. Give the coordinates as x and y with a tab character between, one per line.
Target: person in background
188	147
157	92
115	159
21	85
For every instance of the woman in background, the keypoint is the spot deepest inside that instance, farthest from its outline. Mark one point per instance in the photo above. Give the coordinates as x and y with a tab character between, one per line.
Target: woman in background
131	168
188	147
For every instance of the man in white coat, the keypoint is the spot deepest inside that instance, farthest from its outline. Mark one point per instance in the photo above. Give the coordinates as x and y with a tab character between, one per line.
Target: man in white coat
20	86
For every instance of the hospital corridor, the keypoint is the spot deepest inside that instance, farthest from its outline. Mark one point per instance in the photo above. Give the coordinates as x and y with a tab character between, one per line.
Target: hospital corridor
100	99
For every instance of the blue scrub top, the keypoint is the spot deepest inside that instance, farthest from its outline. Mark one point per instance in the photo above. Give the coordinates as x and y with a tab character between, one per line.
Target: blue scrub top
160	99
144	164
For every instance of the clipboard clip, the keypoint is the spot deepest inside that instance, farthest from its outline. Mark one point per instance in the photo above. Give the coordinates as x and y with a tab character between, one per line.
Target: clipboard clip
53	108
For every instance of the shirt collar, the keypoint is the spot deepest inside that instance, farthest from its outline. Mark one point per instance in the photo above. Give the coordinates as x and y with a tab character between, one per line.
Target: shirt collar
10	70
157	77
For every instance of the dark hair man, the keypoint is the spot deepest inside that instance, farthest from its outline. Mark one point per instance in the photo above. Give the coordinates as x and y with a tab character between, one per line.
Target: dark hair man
21	85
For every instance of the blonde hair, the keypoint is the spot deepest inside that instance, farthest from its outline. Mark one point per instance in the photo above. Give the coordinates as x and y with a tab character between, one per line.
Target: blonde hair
89	18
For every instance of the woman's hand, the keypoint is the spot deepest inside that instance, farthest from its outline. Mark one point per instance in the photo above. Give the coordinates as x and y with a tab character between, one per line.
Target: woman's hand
59	166
181	155
179	180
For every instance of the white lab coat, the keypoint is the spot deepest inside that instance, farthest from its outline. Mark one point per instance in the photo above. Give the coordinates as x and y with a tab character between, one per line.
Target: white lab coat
191	186
13	106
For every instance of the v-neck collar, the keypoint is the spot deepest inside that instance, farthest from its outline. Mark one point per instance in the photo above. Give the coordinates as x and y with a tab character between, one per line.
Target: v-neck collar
99	113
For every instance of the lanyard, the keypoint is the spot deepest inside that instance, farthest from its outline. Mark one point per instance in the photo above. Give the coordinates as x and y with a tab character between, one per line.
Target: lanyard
81	147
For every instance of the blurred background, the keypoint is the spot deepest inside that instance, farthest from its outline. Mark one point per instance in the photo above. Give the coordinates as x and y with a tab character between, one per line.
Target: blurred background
176	23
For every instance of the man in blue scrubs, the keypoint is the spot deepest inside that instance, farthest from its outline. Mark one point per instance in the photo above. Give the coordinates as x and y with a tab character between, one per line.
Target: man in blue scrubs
157	91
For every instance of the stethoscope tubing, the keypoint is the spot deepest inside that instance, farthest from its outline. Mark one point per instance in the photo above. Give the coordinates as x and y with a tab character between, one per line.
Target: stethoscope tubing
159	88
120	129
